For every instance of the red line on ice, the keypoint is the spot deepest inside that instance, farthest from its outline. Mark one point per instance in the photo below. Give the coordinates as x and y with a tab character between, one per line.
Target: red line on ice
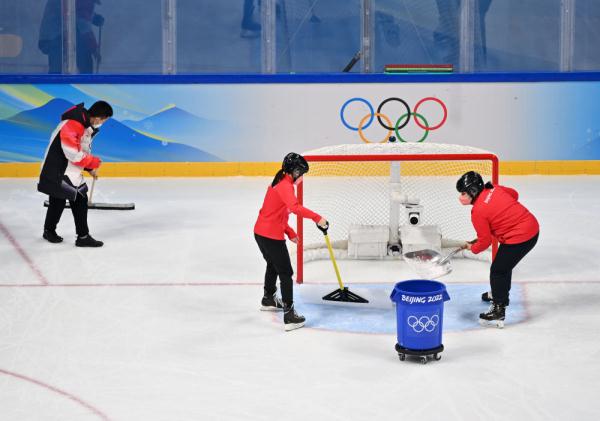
23	254
58	391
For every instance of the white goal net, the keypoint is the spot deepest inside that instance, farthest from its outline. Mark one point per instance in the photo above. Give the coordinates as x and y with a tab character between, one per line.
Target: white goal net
387	185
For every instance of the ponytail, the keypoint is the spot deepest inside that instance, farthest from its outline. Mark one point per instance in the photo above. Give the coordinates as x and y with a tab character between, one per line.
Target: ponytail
489	185
277	178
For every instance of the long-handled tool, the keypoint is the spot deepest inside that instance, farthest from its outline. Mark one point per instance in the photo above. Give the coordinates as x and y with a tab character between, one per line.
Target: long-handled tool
92	191
99	50
343	293
102	206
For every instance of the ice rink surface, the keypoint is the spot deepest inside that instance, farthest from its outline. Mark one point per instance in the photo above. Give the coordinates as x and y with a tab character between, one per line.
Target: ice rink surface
162	323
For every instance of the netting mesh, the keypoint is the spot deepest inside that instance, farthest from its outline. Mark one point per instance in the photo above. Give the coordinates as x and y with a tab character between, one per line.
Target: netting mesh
359	191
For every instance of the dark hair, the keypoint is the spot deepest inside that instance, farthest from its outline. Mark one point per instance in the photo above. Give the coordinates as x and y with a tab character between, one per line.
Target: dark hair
277	178
101	109
489	185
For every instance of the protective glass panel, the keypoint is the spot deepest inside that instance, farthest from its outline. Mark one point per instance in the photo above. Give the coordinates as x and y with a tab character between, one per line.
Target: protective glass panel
219	36
416	32
587	35
517	36
317	35
21	48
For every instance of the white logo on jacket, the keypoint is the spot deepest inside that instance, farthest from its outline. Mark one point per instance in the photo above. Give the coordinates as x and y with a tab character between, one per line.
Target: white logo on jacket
489	196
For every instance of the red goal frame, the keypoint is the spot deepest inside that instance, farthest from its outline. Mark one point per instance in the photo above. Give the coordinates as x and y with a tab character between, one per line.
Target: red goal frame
385	157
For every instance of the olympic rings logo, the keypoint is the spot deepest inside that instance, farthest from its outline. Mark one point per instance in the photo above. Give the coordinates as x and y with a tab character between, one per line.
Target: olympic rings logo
423	323
401	122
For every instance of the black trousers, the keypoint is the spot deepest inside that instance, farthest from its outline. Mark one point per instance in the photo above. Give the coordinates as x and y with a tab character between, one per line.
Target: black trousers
79	208
278	261
505	261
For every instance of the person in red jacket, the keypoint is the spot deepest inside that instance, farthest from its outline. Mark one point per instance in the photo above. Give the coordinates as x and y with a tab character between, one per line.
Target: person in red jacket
497	213
270	230
68	154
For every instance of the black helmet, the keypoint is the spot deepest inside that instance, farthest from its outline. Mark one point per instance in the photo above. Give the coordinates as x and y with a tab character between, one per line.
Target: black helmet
470	183
295	165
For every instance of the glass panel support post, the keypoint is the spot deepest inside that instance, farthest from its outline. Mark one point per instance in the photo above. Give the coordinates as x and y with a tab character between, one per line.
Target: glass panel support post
567	34
69	29
466	58
269	45
367	36
169	37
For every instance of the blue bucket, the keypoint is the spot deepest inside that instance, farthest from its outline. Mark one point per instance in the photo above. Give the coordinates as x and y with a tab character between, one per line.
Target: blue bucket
419	313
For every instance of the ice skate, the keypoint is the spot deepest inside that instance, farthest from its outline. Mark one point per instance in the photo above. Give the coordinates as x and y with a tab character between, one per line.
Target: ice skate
88	241
291	319
487	297
271	303
494	316
52	236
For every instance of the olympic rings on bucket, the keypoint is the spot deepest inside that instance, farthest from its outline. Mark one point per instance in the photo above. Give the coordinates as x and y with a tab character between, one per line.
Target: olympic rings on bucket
423	323
385	121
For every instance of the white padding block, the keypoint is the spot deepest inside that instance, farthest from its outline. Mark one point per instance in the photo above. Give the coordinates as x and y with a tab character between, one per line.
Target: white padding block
415	237
368	241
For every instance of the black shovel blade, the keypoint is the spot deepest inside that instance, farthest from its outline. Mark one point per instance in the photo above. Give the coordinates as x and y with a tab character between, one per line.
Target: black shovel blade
344	295
104	206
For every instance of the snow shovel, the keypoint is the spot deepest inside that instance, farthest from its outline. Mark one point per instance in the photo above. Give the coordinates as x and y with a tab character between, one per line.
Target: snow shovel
429	263
102	206
343	293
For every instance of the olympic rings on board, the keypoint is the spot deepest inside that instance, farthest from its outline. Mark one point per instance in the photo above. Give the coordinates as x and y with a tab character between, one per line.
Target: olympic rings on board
385	121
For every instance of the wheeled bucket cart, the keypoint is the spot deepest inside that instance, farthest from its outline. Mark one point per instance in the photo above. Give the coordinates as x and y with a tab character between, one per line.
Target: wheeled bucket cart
419	317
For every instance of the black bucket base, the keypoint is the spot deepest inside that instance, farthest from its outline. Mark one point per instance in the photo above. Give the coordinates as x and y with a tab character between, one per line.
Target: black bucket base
423	354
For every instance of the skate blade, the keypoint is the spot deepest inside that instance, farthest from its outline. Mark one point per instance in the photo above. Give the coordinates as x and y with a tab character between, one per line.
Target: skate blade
293	326
491	323
269	308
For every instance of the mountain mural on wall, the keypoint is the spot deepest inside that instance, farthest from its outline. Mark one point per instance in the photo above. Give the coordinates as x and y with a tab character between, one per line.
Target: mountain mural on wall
24	138
179	125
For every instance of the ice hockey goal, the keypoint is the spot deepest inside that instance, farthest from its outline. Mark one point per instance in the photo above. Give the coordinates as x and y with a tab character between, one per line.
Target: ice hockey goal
378	184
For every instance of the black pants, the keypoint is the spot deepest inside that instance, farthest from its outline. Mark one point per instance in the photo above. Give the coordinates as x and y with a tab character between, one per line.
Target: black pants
79	207
505	261
278	261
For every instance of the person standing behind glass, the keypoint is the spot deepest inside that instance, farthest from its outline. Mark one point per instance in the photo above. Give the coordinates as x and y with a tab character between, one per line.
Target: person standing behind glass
50	41
447	34
51	35
87	45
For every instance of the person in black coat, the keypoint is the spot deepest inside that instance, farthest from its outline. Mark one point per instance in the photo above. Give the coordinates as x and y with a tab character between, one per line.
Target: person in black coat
61	178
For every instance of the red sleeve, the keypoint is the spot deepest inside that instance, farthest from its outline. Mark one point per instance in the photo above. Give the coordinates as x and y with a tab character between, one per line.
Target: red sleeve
511	192
287	196
484	234
289	231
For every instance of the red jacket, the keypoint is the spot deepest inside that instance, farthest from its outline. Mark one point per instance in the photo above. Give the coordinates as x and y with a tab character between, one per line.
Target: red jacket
279	201
497	212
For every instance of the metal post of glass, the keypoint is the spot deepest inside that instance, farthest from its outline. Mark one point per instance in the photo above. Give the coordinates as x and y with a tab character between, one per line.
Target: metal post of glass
169	37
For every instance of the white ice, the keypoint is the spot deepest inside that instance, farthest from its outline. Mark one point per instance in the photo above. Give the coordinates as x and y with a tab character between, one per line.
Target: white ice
162	323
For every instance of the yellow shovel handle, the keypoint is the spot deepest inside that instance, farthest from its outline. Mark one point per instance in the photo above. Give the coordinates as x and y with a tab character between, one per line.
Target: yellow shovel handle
335	266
